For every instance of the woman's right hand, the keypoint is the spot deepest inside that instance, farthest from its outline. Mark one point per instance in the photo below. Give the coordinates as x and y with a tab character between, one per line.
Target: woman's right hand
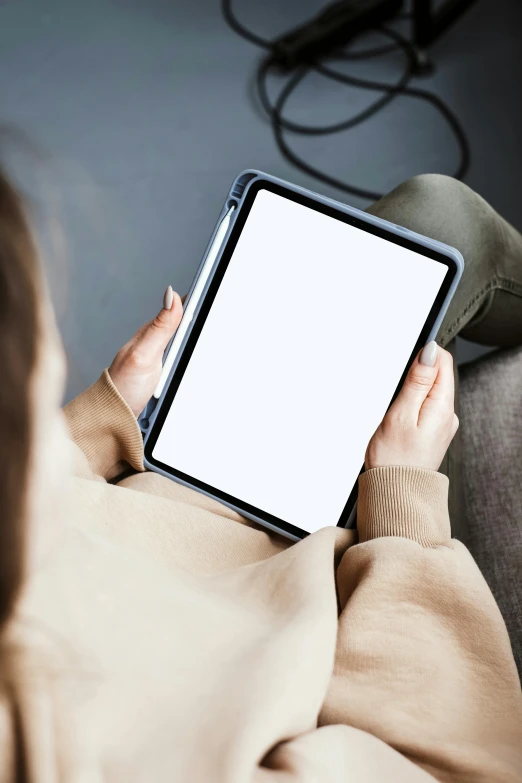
421	422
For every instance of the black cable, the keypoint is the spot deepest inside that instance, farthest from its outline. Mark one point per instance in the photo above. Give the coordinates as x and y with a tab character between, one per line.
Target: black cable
310	130
290	155
414	92
238	28
391	91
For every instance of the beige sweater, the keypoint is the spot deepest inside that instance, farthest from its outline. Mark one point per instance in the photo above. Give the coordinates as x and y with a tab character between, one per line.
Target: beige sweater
166	639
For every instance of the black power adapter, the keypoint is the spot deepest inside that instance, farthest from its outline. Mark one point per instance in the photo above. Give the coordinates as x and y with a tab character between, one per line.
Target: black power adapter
332	29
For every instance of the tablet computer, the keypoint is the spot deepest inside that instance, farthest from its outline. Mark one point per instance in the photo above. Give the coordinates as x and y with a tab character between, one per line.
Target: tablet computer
299	328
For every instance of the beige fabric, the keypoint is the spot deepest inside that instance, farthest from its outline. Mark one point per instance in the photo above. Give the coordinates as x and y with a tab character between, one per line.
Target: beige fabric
166	641
406	502
105	427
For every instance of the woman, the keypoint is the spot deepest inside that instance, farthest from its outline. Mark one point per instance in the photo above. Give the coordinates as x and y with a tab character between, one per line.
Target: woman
154	635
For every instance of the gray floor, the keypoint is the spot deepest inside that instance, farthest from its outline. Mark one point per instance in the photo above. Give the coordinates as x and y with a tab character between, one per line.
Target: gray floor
145	110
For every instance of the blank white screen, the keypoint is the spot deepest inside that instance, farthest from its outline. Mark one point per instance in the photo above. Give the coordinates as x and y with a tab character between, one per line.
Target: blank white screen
287	383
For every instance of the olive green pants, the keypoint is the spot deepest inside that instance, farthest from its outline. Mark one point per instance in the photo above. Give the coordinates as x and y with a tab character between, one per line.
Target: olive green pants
487	306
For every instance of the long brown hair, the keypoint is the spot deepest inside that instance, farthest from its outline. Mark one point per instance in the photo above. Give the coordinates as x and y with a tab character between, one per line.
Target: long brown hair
18	346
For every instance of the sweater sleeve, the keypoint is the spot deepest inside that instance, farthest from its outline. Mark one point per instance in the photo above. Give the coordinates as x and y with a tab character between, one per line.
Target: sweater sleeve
103	426
423	659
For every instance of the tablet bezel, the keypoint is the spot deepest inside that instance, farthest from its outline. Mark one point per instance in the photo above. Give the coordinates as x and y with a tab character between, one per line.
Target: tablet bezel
336	213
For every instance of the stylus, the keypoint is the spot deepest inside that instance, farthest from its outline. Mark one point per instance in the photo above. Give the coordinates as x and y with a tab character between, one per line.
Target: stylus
192	303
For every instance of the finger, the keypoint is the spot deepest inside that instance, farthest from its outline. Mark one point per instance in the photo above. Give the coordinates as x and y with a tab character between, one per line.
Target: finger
441	398
444	386
418	383
154	336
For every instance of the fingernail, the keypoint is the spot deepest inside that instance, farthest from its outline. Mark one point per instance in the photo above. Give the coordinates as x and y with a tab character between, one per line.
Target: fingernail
429	354
168	298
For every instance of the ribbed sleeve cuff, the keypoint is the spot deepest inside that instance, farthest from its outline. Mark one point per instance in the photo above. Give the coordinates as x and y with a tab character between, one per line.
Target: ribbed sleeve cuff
105	428
403	501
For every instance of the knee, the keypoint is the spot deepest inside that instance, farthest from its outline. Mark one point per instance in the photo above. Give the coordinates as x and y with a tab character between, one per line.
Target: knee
437	193
444	209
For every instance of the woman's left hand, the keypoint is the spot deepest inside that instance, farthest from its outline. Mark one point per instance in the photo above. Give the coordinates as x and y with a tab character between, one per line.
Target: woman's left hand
136	368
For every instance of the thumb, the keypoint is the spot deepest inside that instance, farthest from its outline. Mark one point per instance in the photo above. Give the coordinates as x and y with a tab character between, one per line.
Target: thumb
156	334
419	382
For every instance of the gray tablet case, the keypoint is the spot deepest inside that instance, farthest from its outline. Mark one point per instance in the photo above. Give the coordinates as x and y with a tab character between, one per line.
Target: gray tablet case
235	200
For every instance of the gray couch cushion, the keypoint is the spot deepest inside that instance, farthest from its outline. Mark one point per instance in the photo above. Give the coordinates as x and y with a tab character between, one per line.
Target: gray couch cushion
491	431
